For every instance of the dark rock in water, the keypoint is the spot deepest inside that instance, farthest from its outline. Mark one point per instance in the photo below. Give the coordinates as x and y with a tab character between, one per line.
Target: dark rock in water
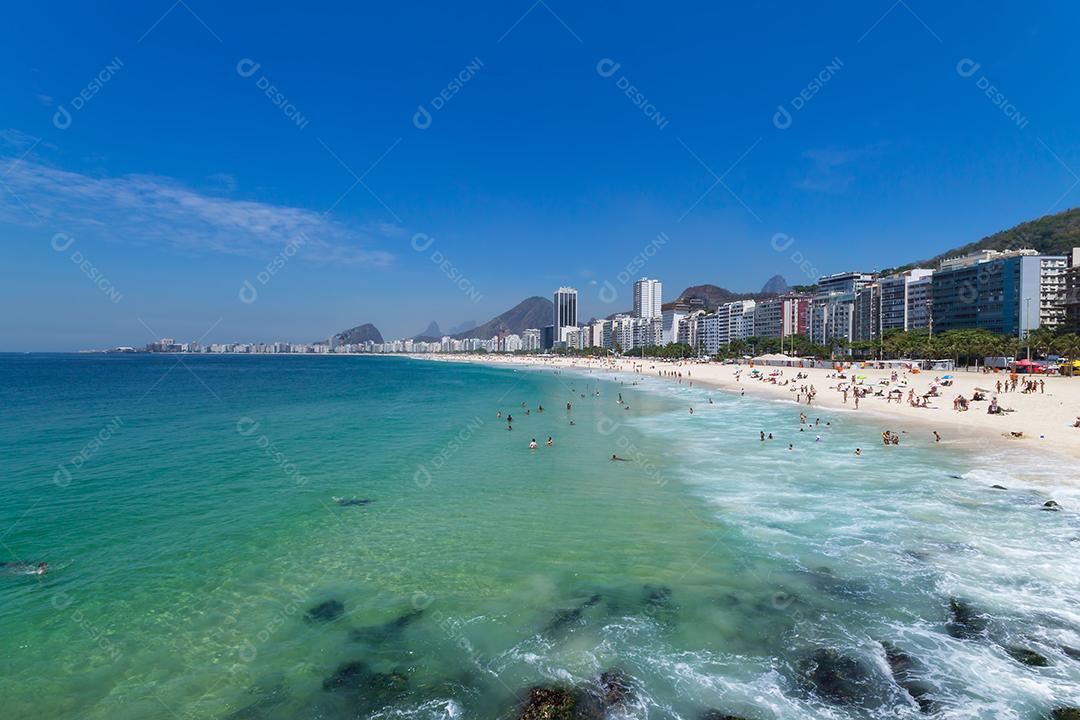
902	667
608	692
1072	652
268	699
717	715
616	687
327	611
965	623
347	502
836	677
565	618
998	487
1051	505
549	703
918	555
1026	656
387	630
372	690
350	676
1065	714
657	596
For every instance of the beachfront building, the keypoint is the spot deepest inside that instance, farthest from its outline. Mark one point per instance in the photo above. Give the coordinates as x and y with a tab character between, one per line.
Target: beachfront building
731	321
832	316
1007	292
530	339
689	329
634	332
781	316
647	298
601	333
1072	293
566	307
512	343
866	314
920	294
898	303
669	324
832	311
547	337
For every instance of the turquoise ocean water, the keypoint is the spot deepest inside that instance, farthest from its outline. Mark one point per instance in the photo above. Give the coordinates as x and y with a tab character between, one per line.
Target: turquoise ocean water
185	508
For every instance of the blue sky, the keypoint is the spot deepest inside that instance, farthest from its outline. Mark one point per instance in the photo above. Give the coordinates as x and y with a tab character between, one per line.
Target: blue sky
146	174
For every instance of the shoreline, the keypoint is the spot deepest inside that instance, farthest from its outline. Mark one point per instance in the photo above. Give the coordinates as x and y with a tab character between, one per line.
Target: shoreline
1044	418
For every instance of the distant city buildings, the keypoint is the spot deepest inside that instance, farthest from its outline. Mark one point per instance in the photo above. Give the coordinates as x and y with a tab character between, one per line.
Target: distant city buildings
1005	292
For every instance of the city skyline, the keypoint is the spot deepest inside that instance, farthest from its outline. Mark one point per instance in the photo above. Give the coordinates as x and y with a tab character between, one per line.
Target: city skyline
247	194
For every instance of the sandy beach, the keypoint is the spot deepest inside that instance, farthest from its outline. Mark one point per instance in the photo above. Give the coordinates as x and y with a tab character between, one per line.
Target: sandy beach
1040	421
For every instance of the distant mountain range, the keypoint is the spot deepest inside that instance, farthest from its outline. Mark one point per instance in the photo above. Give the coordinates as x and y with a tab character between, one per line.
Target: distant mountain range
463	327
713	296
431	334
534	312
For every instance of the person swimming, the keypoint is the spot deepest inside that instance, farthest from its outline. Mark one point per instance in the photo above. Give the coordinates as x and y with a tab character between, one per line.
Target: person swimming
532	444
616	458
24	568
550	442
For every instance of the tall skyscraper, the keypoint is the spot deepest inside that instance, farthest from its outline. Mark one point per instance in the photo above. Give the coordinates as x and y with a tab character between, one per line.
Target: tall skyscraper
647	298
565	310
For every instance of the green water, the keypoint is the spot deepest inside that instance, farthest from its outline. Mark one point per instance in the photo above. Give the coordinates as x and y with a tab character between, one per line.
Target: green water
185	506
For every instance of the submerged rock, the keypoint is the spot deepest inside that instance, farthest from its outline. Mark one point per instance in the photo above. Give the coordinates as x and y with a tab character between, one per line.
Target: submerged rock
268	699
1026	656
385	631
836	677
327	611
1072	652
349	502
611	691
350	676
549	703
1051	505
1066	714
902	665
717	715
370	690
998	487
657	596
616	687
965	623
572	616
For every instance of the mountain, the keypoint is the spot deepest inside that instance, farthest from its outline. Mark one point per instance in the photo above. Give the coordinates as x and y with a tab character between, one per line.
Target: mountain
463	327
534	312
713	296
359	334
431	334
1055	234
776	285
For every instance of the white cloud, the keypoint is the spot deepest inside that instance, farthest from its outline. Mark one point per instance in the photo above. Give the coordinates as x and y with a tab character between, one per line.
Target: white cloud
145	209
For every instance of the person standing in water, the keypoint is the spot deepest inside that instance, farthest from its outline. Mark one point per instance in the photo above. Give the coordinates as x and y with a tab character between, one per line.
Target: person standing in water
532	444
550	442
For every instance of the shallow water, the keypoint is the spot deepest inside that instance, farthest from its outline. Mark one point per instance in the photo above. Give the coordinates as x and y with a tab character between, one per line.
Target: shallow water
197	530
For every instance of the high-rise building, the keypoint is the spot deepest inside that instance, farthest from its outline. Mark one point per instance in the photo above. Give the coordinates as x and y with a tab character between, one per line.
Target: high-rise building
565	311
647	298
1072	293
866	313
896	299
832	311
781	316
530	339
1008	293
